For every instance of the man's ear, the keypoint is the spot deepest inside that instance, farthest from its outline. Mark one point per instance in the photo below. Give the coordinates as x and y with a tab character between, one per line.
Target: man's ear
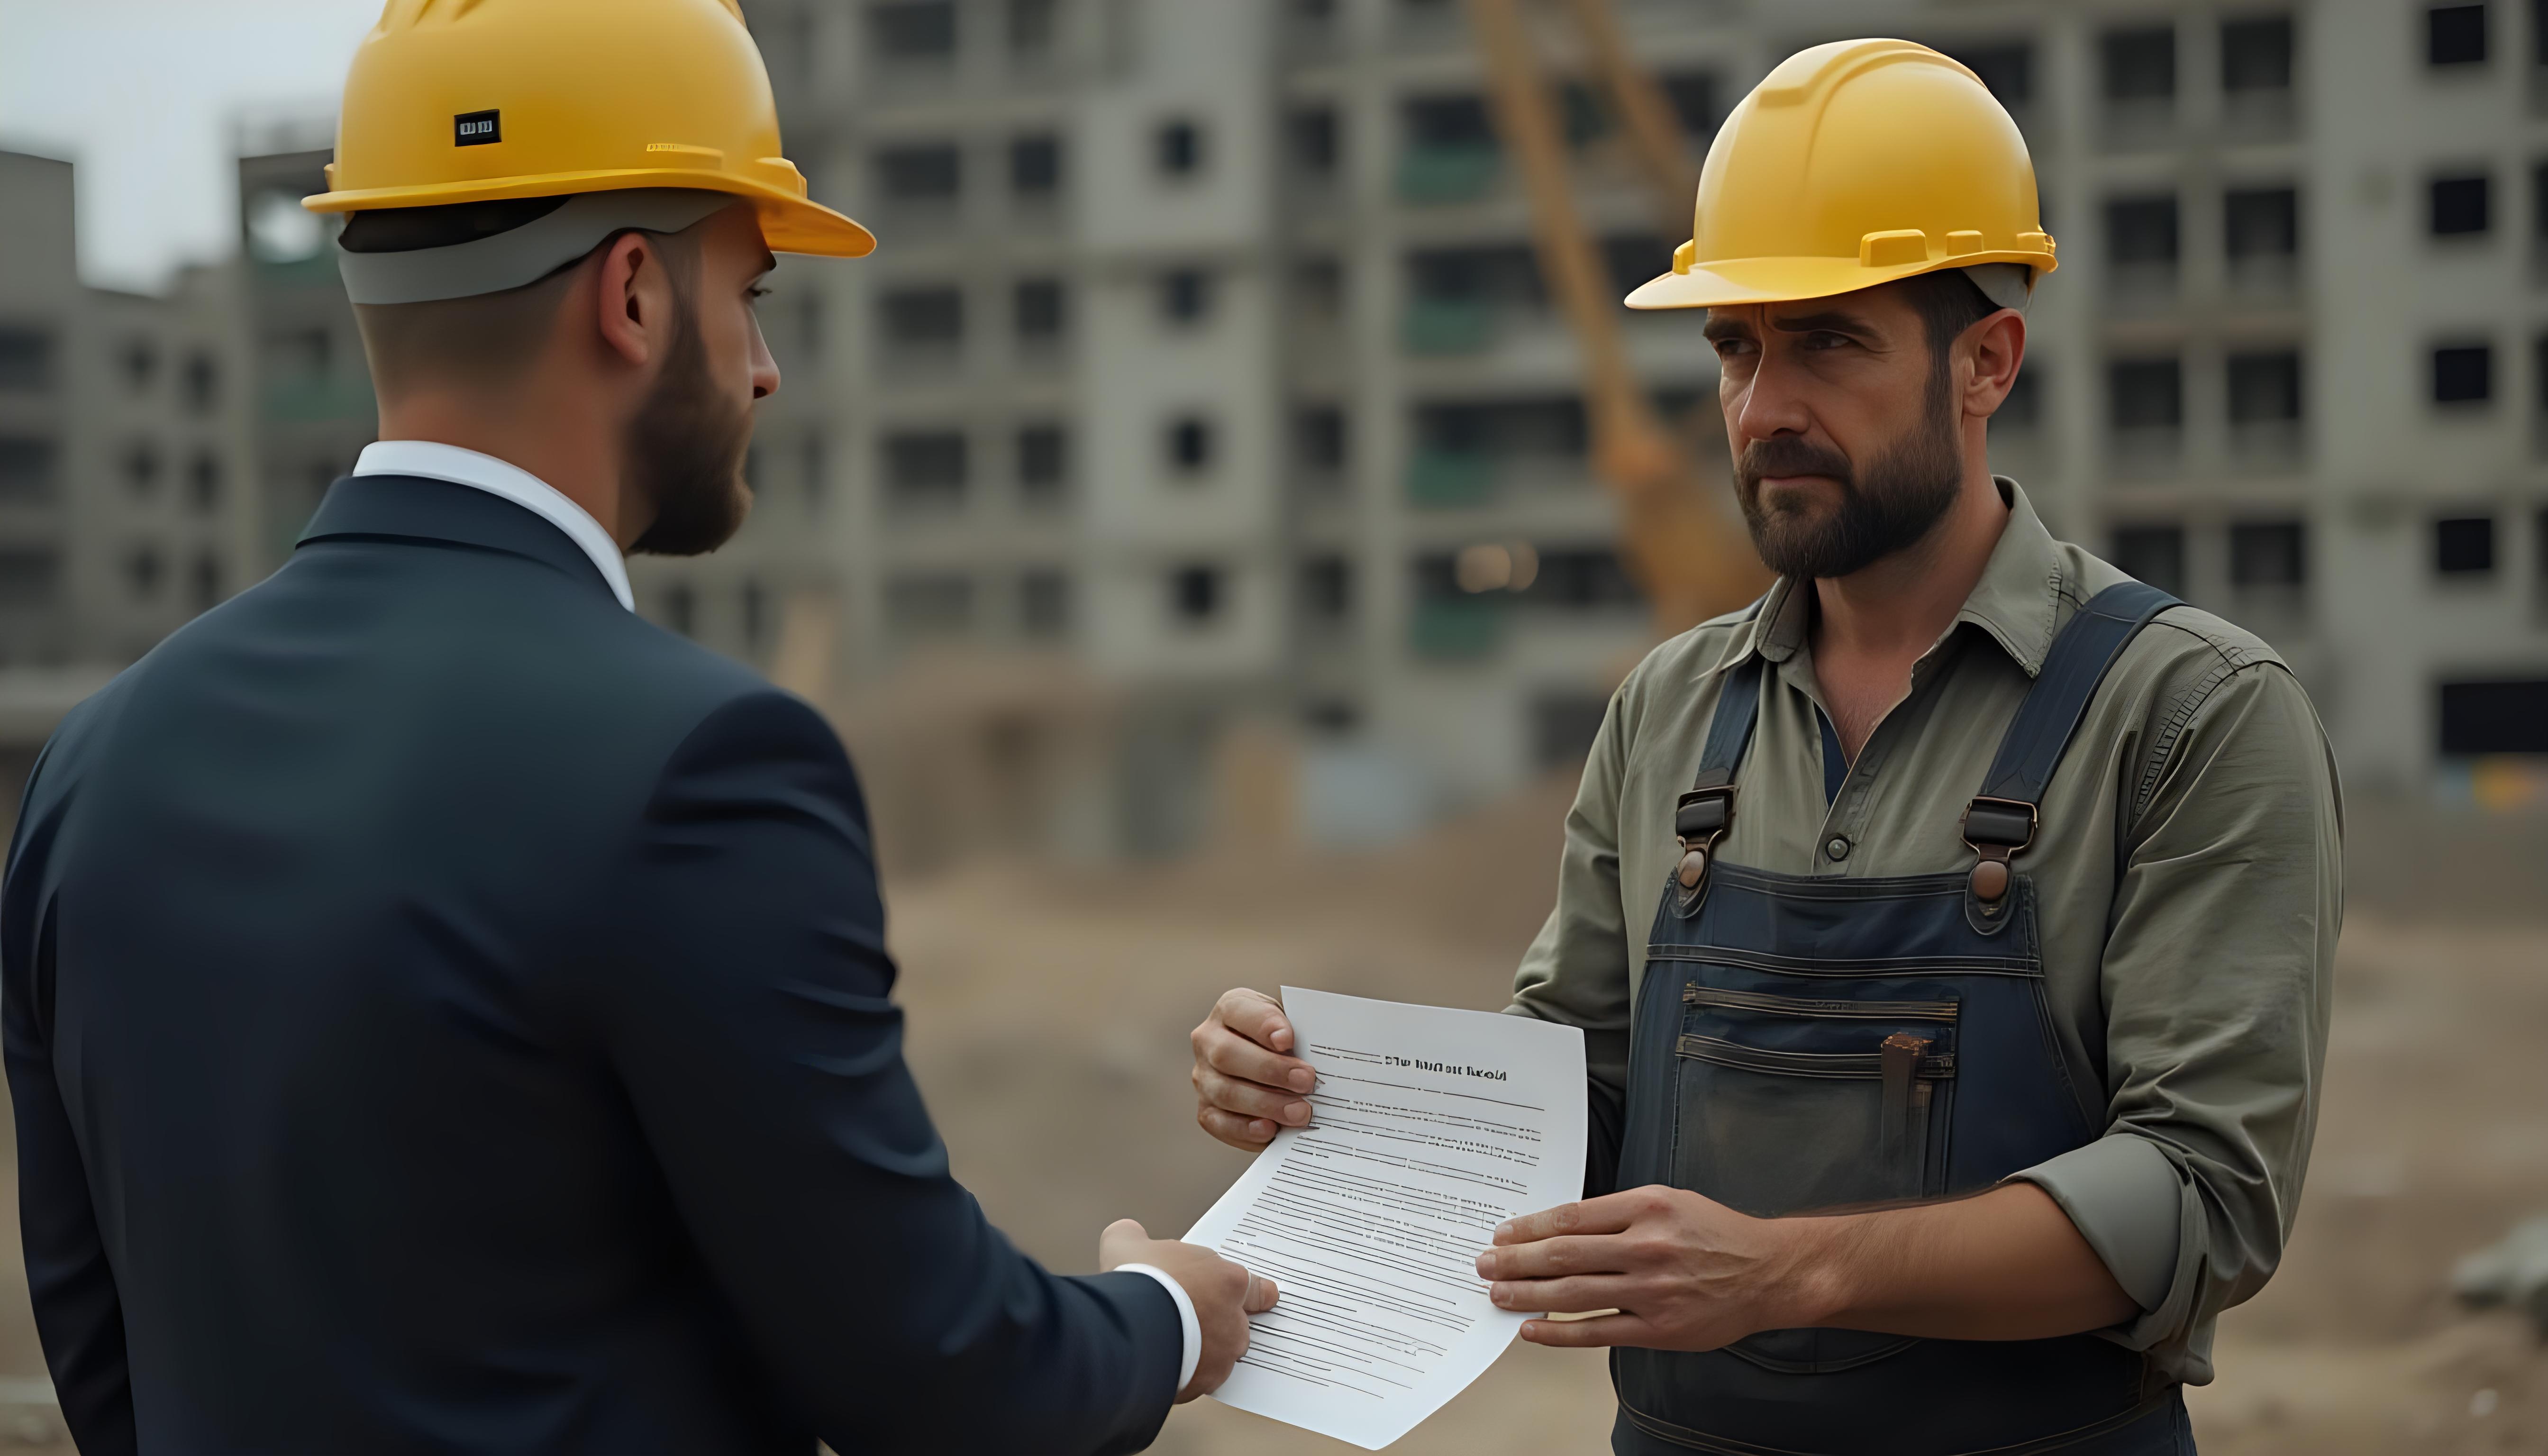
633	300
1997	346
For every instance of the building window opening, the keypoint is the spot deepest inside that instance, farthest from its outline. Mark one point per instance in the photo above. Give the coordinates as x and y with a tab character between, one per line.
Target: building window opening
1195	594
25	359
925	470
923	317
1317	141
2146	394
925	605
2505	715
1180	148
2464	546
2455	34
2155	554
2268	555
2260	223
1321	437
204	482
931	173
2006	67
1035	165
2463	374
1044	604
141	470
1044	465
2138	64
913	30
1185	294
2265	387
2256	54
1033	27
26	471
141	361
203	383
1043	312
1327	589
1190	445
143	570
2459	206
208	581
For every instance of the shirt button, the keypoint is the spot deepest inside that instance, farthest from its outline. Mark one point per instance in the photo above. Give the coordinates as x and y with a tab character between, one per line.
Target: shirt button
1836	847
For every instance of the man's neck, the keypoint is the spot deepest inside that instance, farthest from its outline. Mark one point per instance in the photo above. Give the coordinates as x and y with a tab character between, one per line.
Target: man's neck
575	454
1899	607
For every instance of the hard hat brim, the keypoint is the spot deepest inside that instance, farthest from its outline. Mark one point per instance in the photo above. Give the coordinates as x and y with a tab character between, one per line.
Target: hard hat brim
789	224
1740	281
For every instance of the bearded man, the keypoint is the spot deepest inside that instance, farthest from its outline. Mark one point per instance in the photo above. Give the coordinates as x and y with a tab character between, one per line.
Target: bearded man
1951	931
447	1013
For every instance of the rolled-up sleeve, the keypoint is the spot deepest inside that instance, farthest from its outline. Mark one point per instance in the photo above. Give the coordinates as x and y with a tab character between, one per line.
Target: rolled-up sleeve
2215	984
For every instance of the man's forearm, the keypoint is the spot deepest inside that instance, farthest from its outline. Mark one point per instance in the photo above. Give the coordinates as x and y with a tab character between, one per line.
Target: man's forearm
2007	1264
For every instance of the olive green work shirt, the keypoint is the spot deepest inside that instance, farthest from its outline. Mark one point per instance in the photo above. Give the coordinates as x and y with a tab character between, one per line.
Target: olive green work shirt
2186	868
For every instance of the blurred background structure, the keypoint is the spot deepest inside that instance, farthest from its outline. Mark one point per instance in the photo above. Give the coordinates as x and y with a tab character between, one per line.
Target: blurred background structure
1201	473
1204	435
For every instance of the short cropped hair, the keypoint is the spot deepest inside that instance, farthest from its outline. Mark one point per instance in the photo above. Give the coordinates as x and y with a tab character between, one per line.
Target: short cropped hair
491	341
1949	303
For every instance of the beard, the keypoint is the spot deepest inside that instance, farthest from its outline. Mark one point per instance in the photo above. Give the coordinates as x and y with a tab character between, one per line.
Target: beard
685	454
1901	496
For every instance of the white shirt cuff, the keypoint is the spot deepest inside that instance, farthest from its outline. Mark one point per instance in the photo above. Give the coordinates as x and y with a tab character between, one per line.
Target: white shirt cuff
1187	1324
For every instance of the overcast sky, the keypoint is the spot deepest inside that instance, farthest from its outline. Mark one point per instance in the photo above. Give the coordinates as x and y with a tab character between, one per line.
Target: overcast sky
146	96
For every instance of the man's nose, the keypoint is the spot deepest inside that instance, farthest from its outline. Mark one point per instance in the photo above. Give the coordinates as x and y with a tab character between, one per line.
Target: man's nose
1771	404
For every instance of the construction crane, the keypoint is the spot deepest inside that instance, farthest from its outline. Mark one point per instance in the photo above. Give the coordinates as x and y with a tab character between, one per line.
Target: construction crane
1677	539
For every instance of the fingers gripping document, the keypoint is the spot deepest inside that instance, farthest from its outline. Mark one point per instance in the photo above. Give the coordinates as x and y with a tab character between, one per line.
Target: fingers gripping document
1428	1127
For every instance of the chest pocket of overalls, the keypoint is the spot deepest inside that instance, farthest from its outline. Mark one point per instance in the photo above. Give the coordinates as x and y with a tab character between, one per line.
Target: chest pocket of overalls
1792	1103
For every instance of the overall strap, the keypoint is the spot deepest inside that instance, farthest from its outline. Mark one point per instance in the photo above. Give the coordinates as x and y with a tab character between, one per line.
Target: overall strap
2001	821
1703	814
1729	733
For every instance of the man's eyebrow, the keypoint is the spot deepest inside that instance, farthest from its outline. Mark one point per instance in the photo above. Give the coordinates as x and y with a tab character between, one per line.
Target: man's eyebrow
1830	321
1722	326
768	263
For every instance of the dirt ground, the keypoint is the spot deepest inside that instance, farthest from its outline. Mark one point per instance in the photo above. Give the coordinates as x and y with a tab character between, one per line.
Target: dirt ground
1048	1016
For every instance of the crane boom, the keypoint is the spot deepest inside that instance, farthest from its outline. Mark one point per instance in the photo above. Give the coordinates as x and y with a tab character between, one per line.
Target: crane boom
1676	541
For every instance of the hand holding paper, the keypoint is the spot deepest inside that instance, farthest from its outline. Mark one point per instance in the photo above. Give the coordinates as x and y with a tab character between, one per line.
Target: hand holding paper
1428	1127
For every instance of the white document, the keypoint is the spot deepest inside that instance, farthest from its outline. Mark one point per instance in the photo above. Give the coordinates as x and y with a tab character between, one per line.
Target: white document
1428	1127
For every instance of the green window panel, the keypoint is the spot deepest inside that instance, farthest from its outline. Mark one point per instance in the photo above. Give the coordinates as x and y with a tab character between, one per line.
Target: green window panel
1444	480
1431	176
1457	628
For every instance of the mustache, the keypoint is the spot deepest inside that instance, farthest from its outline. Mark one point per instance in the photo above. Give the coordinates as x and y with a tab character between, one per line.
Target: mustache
1786	455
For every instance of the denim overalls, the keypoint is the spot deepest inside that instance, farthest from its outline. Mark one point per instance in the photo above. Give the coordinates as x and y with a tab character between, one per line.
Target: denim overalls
1802	1044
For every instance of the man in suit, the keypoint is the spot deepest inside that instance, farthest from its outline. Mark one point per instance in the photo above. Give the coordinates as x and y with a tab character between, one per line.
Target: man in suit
445	1013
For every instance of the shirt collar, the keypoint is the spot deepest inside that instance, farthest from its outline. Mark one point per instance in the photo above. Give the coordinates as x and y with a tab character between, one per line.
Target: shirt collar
437	461
2017	602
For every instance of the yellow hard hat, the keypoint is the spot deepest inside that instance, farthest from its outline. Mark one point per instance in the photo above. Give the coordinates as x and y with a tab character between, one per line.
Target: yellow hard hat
1852	165
457	101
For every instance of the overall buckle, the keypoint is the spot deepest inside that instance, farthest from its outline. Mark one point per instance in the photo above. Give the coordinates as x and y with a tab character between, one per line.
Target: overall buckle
1700	821
1996	829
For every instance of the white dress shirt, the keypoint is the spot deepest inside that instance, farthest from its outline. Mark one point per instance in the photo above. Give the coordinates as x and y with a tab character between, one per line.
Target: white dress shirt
497	478
461	467
1186	1325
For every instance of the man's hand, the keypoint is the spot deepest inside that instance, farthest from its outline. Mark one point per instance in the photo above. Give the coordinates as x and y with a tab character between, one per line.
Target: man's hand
1224	1295
1679	1272
1247	1084
1683	1273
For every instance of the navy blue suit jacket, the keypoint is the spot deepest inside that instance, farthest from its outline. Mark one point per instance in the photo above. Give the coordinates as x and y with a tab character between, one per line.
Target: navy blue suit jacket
447	1014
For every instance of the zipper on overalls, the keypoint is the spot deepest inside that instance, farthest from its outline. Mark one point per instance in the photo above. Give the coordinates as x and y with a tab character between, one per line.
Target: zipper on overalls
1900	1058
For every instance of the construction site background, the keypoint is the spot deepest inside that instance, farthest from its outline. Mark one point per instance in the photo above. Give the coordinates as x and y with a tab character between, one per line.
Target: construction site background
1198	521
